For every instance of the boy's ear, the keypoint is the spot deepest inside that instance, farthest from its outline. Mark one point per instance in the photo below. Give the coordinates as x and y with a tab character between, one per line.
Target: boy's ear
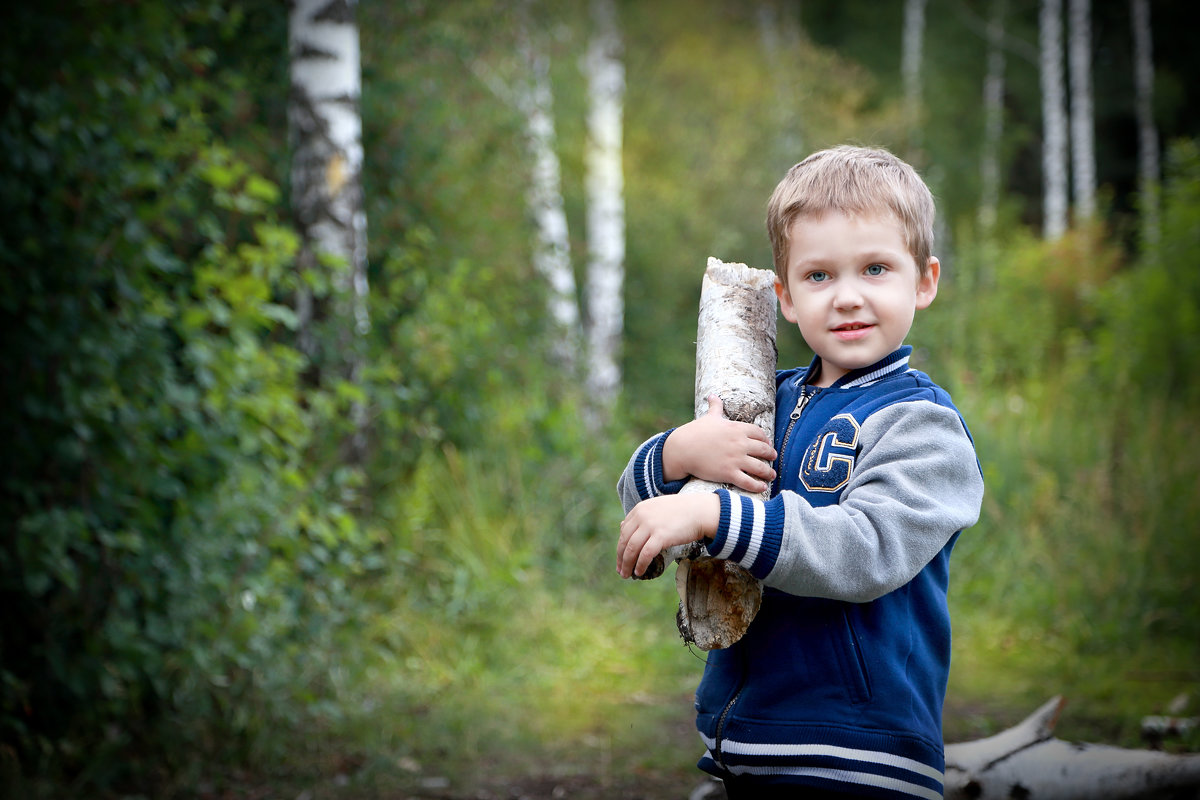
785	301
928	283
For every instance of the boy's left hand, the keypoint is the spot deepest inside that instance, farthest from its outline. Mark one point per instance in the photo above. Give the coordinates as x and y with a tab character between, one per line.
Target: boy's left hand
661	522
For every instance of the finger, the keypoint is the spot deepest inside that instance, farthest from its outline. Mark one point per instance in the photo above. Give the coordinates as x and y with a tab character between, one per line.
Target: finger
645	556
756	433
715	406
629	554
627	528
762	449
748	483
759	469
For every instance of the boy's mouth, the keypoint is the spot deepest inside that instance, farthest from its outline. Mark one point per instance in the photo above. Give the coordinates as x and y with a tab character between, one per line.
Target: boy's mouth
851	330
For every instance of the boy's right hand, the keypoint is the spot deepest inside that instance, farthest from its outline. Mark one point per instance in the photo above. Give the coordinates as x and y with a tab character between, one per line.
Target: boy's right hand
720	450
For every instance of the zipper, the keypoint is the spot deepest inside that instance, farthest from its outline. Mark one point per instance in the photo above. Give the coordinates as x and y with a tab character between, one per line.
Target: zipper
721	726
801	402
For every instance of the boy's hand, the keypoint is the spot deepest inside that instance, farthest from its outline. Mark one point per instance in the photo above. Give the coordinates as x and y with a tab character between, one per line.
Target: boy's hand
661	522
720	450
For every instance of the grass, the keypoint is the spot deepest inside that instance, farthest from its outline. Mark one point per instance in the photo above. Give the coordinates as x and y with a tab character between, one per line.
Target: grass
506	647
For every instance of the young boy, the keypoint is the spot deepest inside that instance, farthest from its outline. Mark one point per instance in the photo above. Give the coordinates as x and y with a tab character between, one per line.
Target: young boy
836	689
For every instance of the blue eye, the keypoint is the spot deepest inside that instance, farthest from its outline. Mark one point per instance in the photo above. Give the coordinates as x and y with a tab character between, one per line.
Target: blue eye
818	277
876	269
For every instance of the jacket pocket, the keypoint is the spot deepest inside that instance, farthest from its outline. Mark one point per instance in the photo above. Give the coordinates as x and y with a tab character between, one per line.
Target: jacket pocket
853	662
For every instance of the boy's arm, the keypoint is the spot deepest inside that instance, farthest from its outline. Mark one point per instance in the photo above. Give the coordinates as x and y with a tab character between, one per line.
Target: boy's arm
711	448
916	483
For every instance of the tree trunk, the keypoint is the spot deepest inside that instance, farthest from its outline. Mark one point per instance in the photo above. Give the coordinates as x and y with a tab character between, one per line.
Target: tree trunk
1083	151
993	114
1026	761
1054	125
605	208
735	360
327	196
779	33
551	251
910	70
1148	166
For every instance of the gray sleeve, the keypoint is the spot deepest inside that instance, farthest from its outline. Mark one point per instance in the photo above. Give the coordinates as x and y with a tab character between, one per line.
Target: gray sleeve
915	484
643	475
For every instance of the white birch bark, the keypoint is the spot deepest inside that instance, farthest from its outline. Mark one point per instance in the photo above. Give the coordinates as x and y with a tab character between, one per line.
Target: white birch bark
993	118
910	67
1148	154
1027	761
735	360
1083	150
327	197
551	251
1054	121
605	206
327	130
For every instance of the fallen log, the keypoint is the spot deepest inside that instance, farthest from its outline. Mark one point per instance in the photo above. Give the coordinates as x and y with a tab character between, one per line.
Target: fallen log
735	360
1026	761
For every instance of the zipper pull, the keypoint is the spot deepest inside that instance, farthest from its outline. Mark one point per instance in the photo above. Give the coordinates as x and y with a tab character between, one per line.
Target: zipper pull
801	402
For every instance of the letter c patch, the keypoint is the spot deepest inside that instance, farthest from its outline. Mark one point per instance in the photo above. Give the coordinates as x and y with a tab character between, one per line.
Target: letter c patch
830	458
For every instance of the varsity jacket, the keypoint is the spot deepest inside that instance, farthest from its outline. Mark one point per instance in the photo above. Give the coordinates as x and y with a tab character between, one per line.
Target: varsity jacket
839	681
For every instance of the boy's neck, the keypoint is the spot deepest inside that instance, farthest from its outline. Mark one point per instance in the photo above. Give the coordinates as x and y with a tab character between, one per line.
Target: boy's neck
816	372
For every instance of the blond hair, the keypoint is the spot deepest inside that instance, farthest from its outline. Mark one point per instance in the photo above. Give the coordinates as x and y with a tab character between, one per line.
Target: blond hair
852	180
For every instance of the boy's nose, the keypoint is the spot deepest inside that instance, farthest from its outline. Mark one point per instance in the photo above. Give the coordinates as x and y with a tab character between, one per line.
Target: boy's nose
848	296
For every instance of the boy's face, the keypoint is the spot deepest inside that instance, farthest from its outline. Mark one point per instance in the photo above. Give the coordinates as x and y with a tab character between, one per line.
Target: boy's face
852	287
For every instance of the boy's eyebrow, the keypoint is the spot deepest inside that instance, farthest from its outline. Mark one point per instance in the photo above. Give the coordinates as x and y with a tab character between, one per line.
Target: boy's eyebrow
864	256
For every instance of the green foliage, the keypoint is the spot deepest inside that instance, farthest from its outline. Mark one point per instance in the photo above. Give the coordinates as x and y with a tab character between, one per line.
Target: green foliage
194	576
180	539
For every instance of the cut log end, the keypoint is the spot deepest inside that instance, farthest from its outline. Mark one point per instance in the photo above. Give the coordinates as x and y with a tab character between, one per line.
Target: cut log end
718	599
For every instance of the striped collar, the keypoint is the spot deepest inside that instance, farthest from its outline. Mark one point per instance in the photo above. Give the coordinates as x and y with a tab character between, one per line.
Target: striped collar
893	364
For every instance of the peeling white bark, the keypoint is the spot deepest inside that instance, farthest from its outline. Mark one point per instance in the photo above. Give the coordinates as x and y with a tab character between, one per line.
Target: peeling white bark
1054	122
1026	761
605	206
1083	150
551	253
325	126
735	360
326	129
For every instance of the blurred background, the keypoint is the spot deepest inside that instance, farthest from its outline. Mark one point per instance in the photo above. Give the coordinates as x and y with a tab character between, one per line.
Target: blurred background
326	336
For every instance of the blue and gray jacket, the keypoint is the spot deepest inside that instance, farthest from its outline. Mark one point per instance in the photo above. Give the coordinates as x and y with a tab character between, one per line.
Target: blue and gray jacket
838	683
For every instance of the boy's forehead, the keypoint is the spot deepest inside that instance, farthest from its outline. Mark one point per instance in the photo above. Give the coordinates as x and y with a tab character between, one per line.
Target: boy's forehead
883	217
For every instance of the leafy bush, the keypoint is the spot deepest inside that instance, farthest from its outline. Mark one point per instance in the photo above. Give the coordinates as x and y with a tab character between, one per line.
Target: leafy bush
181	535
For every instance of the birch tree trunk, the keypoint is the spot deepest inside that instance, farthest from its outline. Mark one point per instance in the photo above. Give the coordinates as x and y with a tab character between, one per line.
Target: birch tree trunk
993	116
1083	151
735	360
551	252
327	197
1054	122
605	207
910	69
1026	761
1148	155
779	33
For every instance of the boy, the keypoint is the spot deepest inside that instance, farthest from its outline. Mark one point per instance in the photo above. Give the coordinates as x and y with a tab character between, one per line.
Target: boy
836	689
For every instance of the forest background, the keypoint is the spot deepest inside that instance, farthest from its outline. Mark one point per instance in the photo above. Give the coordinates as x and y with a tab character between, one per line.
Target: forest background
208	585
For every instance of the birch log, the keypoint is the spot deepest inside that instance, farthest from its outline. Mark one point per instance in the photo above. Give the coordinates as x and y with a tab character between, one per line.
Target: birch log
1027	761
735	360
